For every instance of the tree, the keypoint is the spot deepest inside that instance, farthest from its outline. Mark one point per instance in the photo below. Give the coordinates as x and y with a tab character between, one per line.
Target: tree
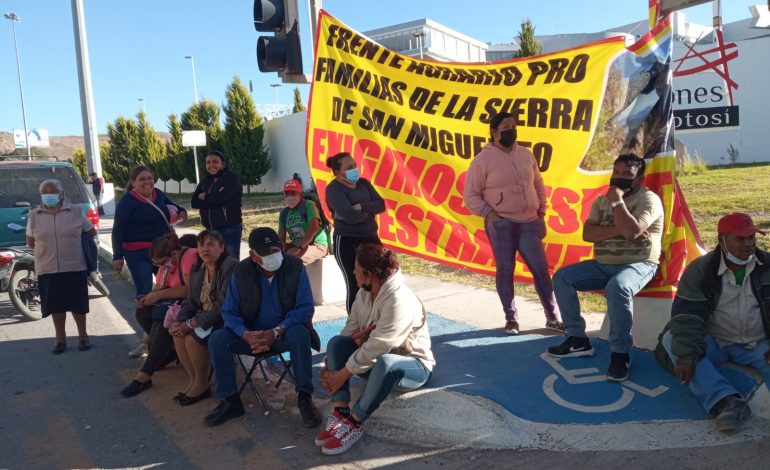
528	46
151	148
170	168
123	152
244	134
78	160
299	106
203	116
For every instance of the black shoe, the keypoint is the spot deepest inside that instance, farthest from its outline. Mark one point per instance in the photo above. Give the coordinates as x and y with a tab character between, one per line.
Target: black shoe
59	348
311	417
618	370
731	413
228	408
135	388
573	346
84	344
186	400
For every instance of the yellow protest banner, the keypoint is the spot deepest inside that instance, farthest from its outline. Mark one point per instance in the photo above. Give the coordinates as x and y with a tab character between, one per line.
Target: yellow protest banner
413	126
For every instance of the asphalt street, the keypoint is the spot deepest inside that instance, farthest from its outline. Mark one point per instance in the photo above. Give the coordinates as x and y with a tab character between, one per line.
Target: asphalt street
66	412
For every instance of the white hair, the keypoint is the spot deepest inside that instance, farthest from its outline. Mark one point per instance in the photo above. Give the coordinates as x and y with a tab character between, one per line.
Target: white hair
52	182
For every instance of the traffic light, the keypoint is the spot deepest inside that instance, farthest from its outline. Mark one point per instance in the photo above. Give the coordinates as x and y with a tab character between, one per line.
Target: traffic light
282	52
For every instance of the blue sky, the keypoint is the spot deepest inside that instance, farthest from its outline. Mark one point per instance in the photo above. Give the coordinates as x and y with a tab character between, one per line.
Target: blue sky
137	48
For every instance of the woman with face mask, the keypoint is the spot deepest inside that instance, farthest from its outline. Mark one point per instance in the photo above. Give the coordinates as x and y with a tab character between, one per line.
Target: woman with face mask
54	231
174	262
218	196
201	313
354	203
504	186
301	222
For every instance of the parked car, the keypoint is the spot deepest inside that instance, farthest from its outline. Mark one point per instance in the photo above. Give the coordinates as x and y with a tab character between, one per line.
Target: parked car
20	192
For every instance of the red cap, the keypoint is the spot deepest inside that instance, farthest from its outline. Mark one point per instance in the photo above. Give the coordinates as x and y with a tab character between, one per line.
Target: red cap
739	224
292	185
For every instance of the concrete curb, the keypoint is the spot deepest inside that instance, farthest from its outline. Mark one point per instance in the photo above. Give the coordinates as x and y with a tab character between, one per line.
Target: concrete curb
105	256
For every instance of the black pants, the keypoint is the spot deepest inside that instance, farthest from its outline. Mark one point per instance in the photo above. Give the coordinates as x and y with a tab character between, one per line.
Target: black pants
345	254
161	349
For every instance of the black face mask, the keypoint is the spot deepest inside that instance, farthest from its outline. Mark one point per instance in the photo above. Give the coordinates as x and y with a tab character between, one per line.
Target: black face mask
507	137
623	184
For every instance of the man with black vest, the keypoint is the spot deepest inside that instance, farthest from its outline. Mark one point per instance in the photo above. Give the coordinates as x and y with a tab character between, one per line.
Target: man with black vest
269	306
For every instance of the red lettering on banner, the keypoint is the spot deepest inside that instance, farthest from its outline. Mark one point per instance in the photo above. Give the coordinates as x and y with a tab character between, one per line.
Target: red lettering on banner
576	254
366	153
484	254
459	245
408	234
562	202
437	183
382	175
404	178
457	203
435	229
386	221
326	144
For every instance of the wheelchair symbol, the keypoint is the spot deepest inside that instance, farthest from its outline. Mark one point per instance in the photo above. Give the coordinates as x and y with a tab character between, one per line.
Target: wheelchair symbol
590	375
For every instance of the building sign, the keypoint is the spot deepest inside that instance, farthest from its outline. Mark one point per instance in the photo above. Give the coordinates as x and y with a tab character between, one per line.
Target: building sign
704	99
36	138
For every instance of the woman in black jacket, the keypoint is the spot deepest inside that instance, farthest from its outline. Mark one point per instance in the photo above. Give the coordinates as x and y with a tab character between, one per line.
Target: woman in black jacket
201	313
354	204
218	197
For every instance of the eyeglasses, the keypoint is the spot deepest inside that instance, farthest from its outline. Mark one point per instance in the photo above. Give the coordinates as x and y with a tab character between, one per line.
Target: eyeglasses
161	264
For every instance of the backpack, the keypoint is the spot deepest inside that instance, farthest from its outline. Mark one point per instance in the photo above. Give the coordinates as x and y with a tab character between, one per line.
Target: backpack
326	226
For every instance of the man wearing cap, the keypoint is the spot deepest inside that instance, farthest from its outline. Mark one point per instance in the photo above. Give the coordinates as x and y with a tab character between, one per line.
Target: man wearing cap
721	313
269	307
301	221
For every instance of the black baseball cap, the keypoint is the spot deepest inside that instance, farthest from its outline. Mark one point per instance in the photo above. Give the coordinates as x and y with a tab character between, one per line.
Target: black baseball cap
263	239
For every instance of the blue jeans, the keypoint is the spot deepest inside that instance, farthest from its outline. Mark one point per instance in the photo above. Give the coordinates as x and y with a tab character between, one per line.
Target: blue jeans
223	343
141	269
621	282
391	371
708	385
507	238
232	237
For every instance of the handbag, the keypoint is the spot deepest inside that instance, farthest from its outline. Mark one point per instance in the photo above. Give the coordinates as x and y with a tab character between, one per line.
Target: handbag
162	214
90	251
159	309
171	313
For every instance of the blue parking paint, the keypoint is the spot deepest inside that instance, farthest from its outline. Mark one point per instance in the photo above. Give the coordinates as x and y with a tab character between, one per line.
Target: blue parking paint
510	371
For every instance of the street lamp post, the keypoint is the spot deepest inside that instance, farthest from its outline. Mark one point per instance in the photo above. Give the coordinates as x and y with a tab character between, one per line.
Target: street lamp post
195	85
14	18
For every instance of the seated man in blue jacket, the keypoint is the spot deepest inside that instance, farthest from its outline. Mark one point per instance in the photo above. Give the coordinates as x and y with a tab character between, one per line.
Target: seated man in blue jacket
269	306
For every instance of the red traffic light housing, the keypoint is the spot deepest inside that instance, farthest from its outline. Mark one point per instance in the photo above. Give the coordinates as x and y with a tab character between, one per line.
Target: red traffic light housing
282	52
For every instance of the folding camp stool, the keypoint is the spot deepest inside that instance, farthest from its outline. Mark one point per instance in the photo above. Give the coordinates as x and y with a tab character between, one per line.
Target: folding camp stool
259	361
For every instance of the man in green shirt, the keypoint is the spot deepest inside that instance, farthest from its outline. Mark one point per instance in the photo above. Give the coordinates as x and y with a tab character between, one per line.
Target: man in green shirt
301	221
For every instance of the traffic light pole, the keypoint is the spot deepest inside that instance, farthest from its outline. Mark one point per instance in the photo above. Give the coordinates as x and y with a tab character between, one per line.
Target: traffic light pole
90	132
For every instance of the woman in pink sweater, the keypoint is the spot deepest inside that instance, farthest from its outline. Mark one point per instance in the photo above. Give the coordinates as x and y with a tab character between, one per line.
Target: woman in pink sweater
505	187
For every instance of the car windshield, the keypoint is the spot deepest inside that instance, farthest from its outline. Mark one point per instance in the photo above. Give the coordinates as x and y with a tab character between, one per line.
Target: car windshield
22	185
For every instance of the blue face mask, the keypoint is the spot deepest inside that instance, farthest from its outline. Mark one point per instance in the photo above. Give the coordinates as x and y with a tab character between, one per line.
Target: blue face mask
352	175
50	200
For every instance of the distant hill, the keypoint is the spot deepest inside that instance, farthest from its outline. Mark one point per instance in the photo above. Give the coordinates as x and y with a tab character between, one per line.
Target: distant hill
61	146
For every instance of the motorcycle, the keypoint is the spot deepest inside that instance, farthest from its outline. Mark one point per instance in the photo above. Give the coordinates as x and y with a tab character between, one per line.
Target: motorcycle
19	279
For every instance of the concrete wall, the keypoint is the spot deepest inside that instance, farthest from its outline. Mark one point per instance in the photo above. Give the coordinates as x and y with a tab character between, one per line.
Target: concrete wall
750	70
285	141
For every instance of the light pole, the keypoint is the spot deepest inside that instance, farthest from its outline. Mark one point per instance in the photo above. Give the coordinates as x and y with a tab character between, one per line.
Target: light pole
14	18
144	108
275	87
195	85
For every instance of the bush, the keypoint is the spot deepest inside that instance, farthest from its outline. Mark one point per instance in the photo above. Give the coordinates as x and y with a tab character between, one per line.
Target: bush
690	165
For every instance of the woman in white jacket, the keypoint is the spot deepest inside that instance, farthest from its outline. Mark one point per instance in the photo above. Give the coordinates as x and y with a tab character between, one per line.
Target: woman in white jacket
385	340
